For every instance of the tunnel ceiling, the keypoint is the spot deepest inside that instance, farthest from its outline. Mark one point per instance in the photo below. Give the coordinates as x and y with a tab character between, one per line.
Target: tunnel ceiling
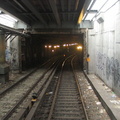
37	13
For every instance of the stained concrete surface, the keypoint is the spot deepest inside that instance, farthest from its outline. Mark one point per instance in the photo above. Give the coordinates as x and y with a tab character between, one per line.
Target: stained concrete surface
109	99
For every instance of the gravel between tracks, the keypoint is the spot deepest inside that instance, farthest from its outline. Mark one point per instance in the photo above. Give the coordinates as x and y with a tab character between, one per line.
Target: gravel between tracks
12	97
29	97
93	106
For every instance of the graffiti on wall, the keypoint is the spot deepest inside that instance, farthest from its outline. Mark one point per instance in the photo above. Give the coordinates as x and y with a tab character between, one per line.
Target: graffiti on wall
113	69
110	67
101	62
7	55
14	58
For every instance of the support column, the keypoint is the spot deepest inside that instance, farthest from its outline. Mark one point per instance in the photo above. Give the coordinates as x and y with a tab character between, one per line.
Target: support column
4	68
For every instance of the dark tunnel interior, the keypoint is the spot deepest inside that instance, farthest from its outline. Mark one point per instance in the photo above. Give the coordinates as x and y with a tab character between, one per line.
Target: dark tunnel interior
40	47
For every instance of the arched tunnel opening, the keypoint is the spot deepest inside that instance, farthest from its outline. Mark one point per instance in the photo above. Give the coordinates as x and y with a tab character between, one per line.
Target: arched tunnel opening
41	47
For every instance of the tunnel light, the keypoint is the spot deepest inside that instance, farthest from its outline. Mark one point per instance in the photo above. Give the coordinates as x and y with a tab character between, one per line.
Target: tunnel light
55	46
45	46
64	45
8	17
58	46
79	47
7	20
53	50
49	46
76	43
72	44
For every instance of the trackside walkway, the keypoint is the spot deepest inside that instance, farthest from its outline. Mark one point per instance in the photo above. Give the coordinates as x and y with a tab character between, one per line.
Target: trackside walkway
110	101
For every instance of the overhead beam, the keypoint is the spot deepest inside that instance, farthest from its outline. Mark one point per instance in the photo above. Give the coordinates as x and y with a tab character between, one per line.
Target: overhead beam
76	4
82	7
22	8
62	4
65	12
40	2
34	11
20	5
65	25
13	38
55	11
89	9
8	38
92	11
69	8
13	5
69	5
12	30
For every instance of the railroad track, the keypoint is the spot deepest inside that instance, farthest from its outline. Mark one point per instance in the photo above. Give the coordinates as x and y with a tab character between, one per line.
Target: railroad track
19	94
62	101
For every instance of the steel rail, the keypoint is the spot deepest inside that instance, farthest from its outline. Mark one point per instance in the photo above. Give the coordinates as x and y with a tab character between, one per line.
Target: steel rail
41	95
2	92
79	89
56	91
25	95
24	112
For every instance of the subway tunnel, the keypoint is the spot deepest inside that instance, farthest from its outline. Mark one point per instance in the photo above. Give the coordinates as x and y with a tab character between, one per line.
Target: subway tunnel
82	36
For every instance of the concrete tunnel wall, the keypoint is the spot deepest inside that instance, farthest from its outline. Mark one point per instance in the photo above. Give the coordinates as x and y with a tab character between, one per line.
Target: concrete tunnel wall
12	53
104	48
24	53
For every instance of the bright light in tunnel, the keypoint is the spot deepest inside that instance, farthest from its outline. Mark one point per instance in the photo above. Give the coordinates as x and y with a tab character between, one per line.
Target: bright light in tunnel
53	50
7	20
72	44
64	45
10	18
79	47
58	46
50	46
55	46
